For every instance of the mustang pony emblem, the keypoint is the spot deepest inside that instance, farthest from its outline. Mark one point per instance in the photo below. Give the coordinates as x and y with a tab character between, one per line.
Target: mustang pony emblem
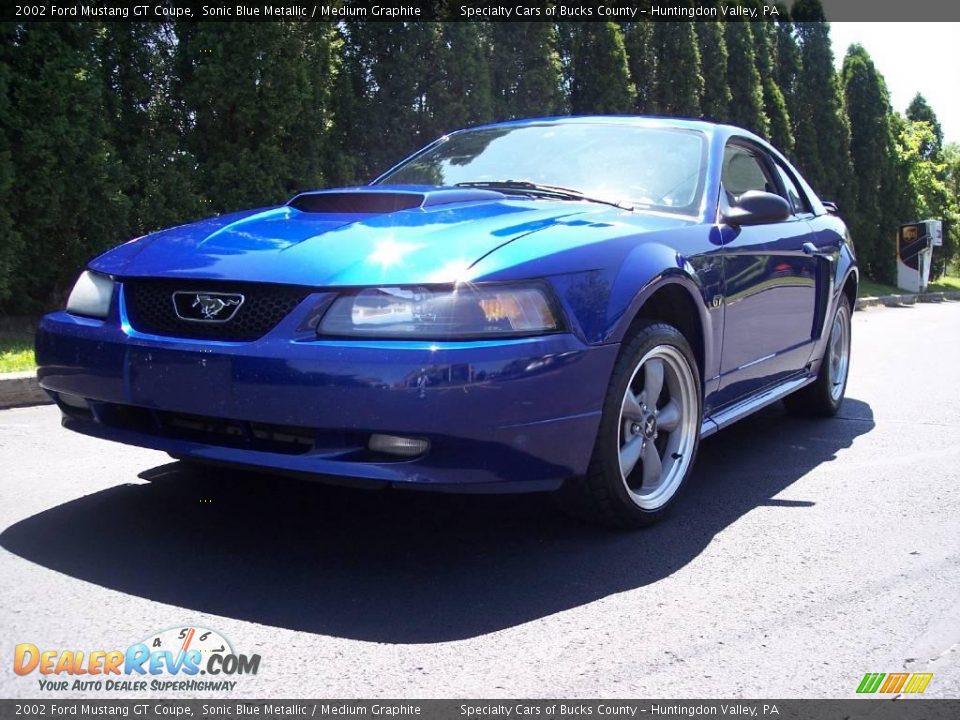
211	307
206	307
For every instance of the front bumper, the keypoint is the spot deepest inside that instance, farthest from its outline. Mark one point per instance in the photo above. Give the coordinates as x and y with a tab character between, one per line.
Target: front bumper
505	415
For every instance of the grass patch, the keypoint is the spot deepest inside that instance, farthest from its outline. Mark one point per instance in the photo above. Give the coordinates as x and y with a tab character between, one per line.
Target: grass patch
869	288
16	352
945	284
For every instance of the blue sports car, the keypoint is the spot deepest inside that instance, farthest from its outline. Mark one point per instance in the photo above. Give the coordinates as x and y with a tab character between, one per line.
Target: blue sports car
563	304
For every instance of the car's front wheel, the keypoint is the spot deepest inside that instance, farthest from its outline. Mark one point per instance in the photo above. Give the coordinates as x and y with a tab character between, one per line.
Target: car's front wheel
649	433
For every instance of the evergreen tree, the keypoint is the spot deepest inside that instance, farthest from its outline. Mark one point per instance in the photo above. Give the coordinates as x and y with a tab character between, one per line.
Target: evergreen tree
678	82
642	63
823	132
715	104
780	132
249	89
312	129
385	113
66	198
600	82
746	88
526	70
462	95
10	240
345	163
157	175
871	149
786	66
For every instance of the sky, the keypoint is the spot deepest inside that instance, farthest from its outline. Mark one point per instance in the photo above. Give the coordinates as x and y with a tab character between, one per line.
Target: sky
913	57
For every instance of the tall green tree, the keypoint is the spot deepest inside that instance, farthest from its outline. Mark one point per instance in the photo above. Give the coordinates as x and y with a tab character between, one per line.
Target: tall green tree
746	88
10	240
871	149
526	70
642	63
920	111
678	81
65	198
933	174
786	65
823	131
715	103
600	82
392	68
145	125
925	183
951	158
462	94
249	91
779	132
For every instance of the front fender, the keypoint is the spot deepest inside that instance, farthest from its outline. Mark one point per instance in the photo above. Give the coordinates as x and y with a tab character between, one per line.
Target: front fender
653	268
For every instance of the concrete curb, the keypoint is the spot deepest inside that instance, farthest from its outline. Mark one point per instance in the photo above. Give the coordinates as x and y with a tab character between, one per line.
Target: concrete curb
21	389
902	300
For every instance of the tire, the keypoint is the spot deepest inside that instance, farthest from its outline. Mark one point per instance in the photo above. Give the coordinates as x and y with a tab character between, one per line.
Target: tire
622	487
824	396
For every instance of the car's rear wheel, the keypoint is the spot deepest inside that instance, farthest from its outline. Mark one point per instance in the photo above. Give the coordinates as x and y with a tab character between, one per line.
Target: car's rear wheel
649	433
823	397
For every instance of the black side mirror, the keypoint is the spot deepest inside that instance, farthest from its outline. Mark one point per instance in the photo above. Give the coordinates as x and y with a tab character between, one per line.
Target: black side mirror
756	207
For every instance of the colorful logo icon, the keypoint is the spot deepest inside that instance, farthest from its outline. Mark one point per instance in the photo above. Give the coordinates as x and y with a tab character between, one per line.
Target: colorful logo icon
912	683
182	652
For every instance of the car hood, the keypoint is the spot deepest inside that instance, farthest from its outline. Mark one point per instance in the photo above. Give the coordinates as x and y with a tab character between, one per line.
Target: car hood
351	237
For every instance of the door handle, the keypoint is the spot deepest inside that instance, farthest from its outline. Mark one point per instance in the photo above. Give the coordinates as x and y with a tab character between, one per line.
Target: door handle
810	249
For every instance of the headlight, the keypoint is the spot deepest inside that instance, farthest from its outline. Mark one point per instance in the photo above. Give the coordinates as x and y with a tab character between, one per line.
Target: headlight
91	295
463	311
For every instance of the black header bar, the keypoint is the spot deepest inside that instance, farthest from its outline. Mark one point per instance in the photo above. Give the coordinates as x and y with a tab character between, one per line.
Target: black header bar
465	10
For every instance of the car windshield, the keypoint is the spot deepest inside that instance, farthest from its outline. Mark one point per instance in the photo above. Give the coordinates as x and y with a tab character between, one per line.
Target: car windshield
657	168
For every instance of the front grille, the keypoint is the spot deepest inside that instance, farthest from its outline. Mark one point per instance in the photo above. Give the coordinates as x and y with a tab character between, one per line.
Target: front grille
150	308
222	432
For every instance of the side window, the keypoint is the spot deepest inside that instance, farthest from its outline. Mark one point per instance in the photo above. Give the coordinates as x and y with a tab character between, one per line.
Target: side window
793	195
743	170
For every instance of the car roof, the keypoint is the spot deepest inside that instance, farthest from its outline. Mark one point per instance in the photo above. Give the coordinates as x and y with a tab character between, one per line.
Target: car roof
625	120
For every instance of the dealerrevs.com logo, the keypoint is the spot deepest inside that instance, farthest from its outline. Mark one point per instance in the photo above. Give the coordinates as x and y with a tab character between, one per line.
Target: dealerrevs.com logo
170	660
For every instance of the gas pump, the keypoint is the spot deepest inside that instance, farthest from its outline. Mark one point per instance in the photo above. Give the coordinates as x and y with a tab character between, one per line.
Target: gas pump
915	243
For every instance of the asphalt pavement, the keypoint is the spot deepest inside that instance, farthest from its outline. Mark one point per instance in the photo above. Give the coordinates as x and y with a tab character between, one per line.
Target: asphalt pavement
802	555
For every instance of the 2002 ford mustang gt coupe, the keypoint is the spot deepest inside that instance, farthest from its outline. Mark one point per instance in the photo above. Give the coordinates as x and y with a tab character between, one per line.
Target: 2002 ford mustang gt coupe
556	304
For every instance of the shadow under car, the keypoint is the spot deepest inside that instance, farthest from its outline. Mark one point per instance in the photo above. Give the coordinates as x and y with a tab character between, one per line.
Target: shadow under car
405	567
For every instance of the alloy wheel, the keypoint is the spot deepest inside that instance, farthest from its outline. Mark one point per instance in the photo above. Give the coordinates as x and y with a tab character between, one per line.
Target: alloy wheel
839	353
658	427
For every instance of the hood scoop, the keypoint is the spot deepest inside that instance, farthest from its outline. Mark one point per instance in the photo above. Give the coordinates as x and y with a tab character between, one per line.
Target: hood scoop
379	201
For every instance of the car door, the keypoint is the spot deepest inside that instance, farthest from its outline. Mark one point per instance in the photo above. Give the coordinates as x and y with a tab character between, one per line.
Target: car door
769	279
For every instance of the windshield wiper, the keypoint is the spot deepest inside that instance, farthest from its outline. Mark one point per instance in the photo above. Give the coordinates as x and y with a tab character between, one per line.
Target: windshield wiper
553	191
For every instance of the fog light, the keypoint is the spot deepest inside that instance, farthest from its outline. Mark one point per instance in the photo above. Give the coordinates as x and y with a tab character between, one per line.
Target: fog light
73	401
396	445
